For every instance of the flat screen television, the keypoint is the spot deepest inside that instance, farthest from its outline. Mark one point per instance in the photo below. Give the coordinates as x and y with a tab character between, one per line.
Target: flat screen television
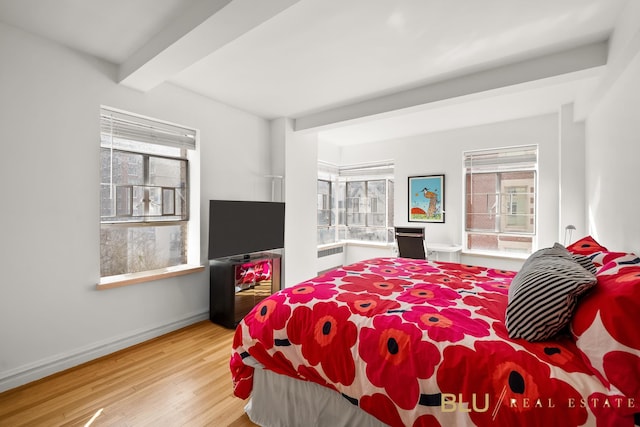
238	228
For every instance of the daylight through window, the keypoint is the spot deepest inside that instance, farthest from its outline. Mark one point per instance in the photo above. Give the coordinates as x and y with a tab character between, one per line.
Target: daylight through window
144	195
500	199
355	203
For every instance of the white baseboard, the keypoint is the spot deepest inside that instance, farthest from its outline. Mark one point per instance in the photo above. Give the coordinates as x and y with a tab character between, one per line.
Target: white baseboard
45	367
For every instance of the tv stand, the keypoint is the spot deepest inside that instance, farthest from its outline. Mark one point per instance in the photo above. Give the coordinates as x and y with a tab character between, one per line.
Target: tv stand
238	284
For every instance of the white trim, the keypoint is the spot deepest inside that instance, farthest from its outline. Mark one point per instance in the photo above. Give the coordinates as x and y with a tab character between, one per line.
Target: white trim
364	243
48	366
332	245
109	282
496	254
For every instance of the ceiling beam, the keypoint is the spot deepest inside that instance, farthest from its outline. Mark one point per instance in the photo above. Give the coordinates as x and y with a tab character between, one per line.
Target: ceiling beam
580	62
201	30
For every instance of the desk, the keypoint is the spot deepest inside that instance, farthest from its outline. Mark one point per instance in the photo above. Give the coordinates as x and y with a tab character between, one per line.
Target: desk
436	252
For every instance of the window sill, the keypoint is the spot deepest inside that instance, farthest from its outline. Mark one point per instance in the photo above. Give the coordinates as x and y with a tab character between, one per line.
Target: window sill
330	245
368	244
110	282
364	243
503	255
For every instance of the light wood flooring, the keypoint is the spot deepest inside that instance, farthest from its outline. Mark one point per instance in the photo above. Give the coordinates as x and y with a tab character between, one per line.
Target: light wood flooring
179	379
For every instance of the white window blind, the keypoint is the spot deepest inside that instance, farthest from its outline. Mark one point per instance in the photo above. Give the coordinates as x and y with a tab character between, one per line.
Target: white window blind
115	124
504	159
378	169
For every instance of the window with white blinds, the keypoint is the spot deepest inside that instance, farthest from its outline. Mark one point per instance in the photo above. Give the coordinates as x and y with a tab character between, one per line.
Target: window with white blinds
501	199
359	202
144	194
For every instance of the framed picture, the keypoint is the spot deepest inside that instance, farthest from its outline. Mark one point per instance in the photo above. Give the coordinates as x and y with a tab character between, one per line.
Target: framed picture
426	198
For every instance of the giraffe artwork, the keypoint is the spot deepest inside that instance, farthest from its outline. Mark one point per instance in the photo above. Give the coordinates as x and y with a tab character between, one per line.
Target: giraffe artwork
426	198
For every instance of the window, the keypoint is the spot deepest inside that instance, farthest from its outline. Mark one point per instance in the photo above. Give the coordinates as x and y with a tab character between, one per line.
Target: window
326	215
500	200
327	204
366	210
144	195
360	201
324	203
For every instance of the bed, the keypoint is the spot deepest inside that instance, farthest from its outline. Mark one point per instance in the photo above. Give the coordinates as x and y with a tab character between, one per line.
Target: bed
404	342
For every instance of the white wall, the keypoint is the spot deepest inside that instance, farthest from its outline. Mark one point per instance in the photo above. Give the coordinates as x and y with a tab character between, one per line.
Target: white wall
613	148
572	174
298	155
51	315
613	164
301	190
329	262
442	153
330	153
355	252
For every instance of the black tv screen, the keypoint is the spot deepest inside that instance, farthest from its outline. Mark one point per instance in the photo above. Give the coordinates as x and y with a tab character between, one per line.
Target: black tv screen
243	227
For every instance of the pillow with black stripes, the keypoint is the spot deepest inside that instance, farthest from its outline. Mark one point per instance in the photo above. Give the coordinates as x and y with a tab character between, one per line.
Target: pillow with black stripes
544	294
584	262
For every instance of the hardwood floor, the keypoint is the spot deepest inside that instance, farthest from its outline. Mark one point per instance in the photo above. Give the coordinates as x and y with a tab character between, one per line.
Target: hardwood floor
179	379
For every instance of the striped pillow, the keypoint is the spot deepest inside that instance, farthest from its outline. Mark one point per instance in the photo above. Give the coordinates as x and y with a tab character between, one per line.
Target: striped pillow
585	263
544	293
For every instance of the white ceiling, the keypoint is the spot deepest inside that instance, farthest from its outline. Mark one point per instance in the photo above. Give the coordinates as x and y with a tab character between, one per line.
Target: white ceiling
336	64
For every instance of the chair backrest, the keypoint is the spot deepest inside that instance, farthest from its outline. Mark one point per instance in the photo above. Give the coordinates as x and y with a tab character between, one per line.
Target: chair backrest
410	242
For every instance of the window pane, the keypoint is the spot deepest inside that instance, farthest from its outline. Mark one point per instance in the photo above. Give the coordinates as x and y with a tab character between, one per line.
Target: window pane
356	203
367	234
359	208
326	235
500	200
518	202
115	194
130	249
510	209
168	201
127	168
376	193
136	187
124	200
390	218
165	172
324	203
481	201
181	203
341	203
154	196
171	173
139	199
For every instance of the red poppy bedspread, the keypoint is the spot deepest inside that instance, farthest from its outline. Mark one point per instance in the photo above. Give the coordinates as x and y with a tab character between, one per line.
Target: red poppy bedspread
420	343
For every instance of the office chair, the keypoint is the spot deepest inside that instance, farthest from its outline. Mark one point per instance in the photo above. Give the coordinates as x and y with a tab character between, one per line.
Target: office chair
410	242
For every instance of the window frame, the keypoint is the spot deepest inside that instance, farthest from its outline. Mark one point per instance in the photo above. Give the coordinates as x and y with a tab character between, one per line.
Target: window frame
146	185
329	207
340	178
368	213
501	228
188	157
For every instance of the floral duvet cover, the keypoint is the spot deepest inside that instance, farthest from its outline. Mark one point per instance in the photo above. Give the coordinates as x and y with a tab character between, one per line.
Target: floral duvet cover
420	343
